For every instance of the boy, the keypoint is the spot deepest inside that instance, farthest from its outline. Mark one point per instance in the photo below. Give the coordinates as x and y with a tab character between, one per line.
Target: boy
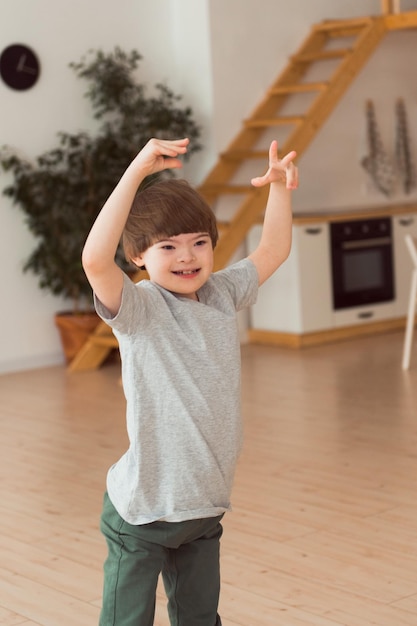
181	374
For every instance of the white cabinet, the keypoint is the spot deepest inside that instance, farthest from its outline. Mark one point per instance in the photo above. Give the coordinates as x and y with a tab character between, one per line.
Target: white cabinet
364	314
297	298
402	224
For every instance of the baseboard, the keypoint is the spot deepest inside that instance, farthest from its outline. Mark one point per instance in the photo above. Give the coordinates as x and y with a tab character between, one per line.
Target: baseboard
30	363
302	340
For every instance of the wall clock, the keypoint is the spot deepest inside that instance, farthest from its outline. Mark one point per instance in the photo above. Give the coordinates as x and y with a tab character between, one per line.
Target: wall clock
19	67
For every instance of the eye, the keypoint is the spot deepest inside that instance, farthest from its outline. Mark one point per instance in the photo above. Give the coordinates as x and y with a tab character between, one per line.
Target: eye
201	242
167	246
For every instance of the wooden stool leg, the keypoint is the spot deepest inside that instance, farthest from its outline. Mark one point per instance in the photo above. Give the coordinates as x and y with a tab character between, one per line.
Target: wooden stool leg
408	339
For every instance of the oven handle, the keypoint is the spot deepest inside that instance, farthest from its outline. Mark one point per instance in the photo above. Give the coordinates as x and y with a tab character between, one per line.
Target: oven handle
365	315
366	243
406	221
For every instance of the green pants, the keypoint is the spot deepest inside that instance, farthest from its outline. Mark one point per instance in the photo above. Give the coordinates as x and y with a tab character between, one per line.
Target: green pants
187	555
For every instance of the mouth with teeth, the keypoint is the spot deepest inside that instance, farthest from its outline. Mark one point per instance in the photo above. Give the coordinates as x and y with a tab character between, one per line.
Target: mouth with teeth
187	273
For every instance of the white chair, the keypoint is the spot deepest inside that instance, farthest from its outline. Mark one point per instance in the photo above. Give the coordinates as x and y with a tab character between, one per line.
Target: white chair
411	243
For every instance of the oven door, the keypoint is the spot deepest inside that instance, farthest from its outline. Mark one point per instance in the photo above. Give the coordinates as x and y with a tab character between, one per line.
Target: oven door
362	272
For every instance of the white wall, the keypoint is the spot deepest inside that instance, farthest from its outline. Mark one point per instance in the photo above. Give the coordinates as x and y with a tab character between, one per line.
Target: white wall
221	55
190	30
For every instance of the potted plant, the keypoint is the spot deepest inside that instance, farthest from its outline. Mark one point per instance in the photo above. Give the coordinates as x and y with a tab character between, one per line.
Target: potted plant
61	191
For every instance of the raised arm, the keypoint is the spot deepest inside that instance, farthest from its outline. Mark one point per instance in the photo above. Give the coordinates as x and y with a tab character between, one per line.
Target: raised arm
275	244
104	275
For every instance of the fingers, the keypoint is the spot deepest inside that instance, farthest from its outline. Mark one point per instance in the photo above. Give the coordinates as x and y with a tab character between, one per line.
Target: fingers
178	146
173	149
165	147
260	181
280	170
273	155
288	158
273	151
292	176
161	154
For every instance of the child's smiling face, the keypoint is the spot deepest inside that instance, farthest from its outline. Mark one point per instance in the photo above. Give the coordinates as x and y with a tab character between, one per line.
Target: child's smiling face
180	264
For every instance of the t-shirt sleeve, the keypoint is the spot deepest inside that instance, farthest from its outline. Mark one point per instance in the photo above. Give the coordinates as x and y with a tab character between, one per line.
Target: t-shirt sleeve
241	281
135	305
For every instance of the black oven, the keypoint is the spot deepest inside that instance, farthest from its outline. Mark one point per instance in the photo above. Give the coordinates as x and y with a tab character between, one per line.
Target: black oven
362	265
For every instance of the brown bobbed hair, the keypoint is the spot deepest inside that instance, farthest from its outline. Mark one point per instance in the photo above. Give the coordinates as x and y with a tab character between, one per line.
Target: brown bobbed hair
166	209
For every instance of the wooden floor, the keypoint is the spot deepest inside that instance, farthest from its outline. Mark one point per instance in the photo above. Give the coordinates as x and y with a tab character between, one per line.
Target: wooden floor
324	528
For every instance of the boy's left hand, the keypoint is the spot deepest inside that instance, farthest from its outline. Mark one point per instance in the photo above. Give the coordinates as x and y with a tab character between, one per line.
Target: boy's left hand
279	170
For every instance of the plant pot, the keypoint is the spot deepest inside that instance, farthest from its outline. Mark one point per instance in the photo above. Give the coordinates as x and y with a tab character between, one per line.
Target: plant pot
75	329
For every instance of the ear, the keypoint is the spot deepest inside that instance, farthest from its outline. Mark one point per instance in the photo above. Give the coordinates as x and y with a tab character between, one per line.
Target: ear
138	261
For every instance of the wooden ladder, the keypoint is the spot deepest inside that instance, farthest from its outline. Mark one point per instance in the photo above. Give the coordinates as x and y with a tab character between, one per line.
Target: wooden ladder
317	75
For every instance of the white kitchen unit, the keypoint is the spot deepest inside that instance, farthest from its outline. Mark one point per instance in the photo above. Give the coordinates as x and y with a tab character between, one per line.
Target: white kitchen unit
297	298
402	225
296	305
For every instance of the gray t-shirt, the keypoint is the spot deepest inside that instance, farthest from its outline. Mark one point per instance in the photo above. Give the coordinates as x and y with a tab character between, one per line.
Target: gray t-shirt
181	378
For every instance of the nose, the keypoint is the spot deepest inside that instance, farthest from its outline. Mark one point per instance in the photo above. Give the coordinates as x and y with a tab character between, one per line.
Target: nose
186	254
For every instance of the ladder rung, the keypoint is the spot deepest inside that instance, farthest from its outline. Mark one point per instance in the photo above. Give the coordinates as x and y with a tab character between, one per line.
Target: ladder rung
353	31
275	121
243	155
101	340
298	88
336	25
323	55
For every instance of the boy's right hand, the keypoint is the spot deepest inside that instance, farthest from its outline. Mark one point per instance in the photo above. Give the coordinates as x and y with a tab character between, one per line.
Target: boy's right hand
160	154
